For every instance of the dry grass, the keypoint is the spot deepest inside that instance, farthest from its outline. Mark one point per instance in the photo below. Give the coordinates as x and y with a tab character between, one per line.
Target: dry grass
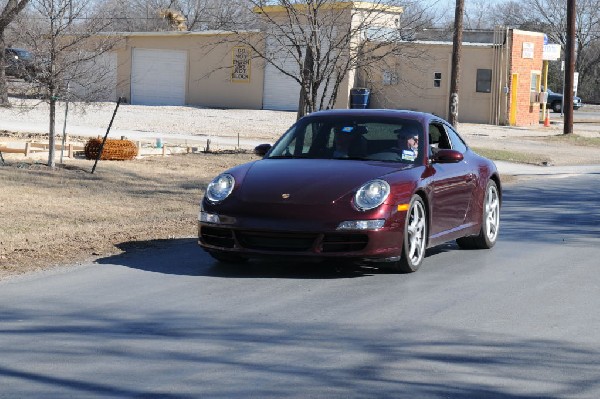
513	156
66	215
574	139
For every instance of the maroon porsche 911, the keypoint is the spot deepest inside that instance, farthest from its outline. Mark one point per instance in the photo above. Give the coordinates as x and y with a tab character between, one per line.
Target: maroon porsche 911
368	186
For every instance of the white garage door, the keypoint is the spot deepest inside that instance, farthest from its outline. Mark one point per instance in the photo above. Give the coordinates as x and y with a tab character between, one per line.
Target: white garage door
158	77
280	92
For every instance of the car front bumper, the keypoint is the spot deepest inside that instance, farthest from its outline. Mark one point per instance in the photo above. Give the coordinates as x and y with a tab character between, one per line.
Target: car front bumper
383	244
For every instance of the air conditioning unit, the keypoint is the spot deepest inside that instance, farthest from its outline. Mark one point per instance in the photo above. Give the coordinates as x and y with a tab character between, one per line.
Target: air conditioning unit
534	97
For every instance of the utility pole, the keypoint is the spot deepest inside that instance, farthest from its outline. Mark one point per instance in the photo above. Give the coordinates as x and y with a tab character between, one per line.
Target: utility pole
570	68
456	49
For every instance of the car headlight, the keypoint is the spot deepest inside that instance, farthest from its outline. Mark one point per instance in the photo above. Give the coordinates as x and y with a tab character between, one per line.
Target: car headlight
220	187
371	194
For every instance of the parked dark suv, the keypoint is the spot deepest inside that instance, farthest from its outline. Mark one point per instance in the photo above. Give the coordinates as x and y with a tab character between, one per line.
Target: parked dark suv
20	63
555	101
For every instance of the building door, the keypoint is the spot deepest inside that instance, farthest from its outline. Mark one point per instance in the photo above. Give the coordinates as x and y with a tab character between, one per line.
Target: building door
158	77
514	95
280	91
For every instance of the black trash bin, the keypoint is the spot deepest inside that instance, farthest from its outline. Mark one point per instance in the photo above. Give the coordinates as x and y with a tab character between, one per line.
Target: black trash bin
359	97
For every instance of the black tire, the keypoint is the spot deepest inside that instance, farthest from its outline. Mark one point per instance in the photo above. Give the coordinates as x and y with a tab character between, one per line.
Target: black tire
226	257
415	237
556	106
490	222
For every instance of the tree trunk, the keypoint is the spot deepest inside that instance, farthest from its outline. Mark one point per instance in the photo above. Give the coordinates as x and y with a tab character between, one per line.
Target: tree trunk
569	68
11	9
51	135
3	83
305	106
456	52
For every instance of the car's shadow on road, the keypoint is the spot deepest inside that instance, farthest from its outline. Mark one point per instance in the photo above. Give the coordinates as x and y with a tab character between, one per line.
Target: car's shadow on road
184	257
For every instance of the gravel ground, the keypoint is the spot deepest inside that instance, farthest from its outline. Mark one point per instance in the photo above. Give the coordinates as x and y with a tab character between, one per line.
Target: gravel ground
175	124
157	121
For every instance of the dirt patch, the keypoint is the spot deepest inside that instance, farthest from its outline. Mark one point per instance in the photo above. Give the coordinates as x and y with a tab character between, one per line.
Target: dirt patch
61	216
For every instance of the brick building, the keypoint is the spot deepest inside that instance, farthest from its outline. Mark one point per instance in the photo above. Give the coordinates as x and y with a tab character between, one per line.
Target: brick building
525	78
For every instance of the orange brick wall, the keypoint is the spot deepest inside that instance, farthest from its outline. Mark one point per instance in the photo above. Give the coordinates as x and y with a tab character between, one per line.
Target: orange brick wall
527	113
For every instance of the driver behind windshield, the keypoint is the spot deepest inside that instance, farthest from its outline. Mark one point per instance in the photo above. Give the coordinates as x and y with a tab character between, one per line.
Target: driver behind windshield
408	142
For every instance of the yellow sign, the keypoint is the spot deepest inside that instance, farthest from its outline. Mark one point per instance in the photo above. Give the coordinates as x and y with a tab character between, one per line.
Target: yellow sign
240	71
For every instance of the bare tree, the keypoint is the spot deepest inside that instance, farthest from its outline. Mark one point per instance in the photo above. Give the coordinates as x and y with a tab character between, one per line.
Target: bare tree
9	12
319	43
153	15
133	15
72	48
509	13
477	15
215	14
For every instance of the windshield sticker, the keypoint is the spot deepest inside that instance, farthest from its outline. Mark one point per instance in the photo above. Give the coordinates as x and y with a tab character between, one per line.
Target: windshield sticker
348	129
409	155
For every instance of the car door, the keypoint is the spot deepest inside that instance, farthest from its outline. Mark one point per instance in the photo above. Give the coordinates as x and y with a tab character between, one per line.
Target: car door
451	184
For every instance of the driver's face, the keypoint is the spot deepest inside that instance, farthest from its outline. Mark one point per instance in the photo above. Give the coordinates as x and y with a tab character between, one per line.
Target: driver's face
410	142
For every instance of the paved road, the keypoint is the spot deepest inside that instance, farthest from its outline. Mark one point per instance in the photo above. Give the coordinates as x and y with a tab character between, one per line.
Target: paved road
587	114
519	321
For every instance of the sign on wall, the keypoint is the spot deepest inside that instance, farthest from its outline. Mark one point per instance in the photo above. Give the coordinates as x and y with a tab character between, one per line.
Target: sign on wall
240	71
528	48
551	52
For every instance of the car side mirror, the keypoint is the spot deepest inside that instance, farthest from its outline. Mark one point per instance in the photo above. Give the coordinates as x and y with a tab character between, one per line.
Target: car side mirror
447	156
262	149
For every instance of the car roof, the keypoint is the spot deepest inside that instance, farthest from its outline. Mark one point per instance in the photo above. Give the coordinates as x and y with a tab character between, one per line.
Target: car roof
383	113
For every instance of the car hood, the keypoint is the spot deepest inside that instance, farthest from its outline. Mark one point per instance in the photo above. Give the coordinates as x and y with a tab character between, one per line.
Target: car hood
308	181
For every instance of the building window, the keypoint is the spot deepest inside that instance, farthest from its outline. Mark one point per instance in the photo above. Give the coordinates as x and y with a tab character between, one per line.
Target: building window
536	81
390	78
535	87
484	81
437	79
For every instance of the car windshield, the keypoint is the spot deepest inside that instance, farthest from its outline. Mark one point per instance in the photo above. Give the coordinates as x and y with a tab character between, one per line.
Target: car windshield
23	54
352	138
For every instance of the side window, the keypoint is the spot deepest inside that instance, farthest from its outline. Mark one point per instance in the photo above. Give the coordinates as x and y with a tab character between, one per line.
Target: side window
438	138
457	142
437	79
484	81
390	78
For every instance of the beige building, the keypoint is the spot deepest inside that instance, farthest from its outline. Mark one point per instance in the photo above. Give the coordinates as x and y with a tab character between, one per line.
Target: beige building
189	68
488	93
213	69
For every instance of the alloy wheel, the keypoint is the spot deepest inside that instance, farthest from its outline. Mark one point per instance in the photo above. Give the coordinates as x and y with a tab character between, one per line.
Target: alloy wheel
492	212
416	230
